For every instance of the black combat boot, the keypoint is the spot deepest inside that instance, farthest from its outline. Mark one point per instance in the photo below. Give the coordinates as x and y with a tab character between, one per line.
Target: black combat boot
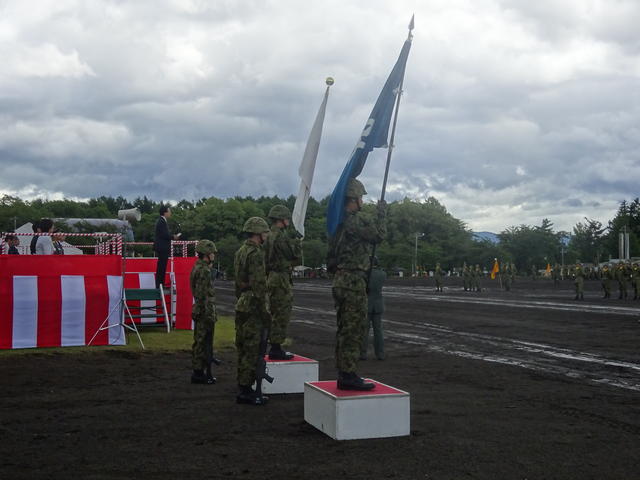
576	297
351	381
198	376
210	378
276	353
248	396
582	296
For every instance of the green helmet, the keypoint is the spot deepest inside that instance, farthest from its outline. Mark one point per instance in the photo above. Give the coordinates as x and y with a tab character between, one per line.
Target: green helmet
206	247
280	212
355	188
255	225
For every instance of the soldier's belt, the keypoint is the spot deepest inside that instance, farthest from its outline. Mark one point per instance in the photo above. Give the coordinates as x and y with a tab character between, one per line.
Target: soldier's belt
359	273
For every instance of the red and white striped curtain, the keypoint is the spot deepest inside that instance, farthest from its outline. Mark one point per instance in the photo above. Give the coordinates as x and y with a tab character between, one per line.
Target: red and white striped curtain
59	301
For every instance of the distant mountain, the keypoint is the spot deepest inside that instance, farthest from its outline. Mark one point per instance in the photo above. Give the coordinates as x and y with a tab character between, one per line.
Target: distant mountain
489	236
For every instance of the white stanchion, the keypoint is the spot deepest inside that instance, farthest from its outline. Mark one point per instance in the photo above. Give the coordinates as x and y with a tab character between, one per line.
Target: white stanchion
349	414
289	376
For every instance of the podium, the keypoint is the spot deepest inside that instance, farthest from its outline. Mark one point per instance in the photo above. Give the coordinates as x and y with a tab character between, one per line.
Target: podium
289	376
351	414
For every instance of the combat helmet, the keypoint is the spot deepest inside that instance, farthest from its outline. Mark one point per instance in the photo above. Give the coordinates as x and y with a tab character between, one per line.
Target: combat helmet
206	247
355	188
280	212
255	225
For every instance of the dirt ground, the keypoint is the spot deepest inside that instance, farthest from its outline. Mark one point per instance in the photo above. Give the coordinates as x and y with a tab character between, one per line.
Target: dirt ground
527	384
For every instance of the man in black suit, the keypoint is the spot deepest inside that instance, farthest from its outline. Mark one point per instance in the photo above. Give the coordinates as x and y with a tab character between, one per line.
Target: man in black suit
162	243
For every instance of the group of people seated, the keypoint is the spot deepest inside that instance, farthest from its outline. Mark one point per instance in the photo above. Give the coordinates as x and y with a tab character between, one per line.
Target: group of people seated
49	244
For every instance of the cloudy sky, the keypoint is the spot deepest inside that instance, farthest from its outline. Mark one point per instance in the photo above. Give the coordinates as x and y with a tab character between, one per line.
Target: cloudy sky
513	110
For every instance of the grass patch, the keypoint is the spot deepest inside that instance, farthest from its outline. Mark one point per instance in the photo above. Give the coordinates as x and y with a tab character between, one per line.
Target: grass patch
156	339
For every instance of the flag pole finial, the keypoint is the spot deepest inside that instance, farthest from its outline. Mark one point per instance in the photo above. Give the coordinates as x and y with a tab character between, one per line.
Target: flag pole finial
411	27
329	81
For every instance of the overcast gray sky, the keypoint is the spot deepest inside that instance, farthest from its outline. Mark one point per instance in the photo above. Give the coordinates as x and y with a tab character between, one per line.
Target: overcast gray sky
513	110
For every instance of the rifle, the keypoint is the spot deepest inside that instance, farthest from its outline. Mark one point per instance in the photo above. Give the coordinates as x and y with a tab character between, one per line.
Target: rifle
261	366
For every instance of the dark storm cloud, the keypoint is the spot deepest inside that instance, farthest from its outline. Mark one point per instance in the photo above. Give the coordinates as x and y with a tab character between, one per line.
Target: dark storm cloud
513	111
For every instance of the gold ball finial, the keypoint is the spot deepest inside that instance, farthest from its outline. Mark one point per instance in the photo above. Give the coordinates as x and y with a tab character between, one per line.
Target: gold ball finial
330	81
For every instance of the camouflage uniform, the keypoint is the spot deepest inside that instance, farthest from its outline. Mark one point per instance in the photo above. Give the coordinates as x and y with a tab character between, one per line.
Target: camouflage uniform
203	314
635	281
251	307
466	277
621	277
437	275
281	250
506	276
579	282
357	234
606	278
555	274
476	275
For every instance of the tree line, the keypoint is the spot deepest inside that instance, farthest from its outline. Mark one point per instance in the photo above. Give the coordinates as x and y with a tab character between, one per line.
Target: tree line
420	233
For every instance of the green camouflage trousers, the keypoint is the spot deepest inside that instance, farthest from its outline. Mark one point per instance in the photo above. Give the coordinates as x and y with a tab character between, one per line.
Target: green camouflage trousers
203	329
202	350
280	304
606	286
248	326
579	282
350	299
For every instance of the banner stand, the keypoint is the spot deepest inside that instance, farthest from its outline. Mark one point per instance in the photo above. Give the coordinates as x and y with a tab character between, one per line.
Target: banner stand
122	303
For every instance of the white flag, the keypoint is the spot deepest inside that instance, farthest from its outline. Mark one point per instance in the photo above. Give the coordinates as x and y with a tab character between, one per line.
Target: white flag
308	166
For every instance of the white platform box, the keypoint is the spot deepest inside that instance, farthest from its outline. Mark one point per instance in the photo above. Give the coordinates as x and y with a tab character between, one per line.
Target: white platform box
289	376
349	415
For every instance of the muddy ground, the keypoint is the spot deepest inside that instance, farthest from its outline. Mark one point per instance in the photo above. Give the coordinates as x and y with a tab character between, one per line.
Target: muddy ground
521	385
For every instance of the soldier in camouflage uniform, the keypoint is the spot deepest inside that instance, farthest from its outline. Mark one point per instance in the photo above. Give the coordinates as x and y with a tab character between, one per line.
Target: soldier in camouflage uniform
555	274
476	276
466	277
203	313
605	278
282	249
621	277
578	275
437	275
635	280
505	272
350	252
252	314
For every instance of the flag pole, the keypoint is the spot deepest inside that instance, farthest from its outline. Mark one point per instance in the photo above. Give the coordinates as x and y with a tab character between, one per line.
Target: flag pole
393	129
391	146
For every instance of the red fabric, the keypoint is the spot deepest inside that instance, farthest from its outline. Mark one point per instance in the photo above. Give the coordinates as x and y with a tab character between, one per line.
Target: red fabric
96	301
6	310
331	387
296	358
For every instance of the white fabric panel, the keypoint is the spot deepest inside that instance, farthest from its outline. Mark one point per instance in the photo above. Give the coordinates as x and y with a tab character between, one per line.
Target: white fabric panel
73	310
116	315
147	280
25	311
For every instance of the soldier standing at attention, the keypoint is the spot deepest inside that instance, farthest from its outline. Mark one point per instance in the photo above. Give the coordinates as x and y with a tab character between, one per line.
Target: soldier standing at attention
635	280
505	272
349	251
555	274
437	275
375	309
203	313
621	277
251	307
282	249
466	277
578	274
606	281
477	275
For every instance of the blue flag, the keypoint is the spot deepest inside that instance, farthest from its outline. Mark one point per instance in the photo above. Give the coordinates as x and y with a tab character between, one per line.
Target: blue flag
374	135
